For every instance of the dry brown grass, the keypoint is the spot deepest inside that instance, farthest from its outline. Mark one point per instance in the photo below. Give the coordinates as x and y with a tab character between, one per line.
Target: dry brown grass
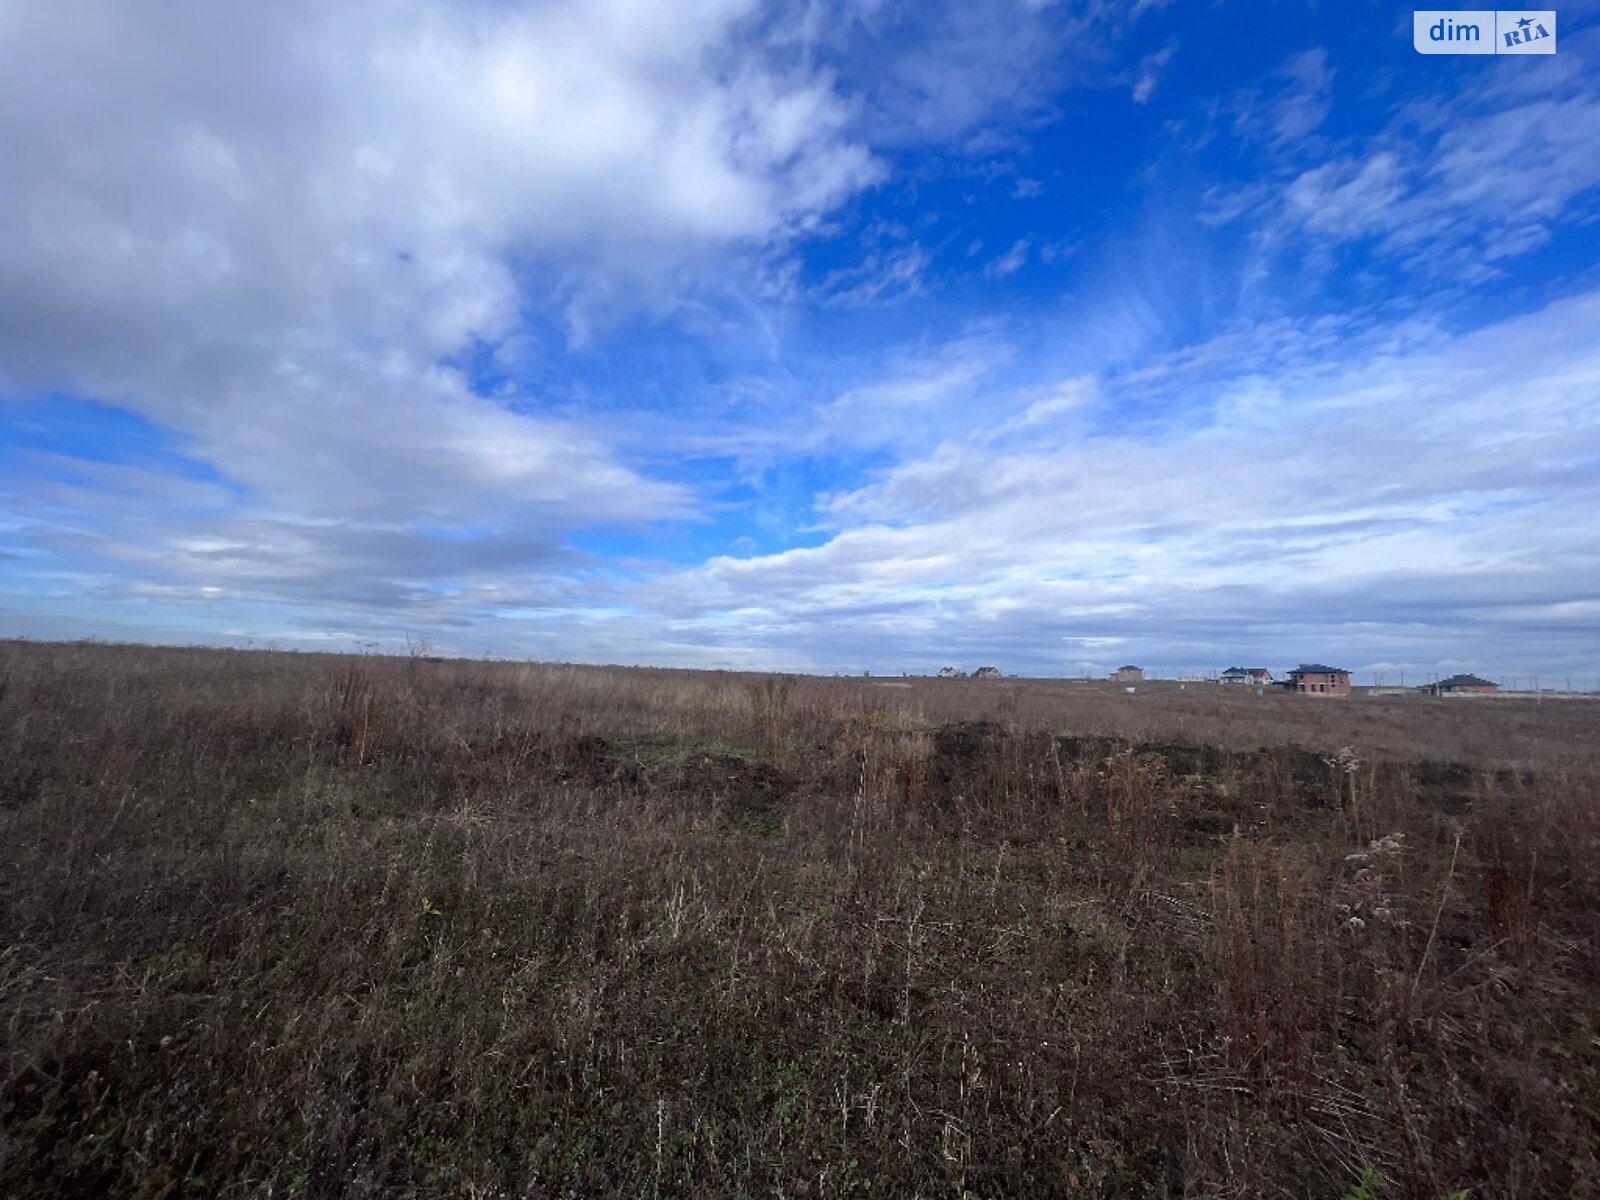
281	925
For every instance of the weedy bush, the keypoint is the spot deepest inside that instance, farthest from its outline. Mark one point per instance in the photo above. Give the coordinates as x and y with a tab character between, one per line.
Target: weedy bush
303	925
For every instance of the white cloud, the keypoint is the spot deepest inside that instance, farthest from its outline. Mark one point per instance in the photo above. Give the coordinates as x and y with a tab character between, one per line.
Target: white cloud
376	167
1487	183
1348	199
952	71
1448	187
882	277
1070	396
1303	105
923	395
1292	105
270	231
1012	261
1429	498
1149	75
263	229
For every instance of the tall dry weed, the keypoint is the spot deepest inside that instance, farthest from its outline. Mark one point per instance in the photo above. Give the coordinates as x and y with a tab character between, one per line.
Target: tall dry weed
1141	819
1272	929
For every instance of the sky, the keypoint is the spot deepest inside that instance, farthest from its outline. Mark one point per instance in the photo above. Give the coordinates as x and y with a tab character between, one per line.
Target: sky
818	335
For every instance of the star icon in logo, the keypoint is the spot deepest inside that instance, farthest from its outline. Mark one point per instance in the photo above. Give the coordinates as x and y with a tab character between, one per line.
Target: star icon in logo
1525	22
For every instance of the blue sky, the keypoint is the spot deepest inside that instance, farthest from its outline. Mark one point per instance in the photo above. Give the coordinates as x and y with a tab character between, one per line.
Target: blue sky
805	336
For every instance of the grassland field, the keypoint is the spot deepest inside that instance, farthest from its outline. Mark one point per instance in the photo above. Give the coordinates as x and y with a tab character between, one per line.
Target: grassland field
293	925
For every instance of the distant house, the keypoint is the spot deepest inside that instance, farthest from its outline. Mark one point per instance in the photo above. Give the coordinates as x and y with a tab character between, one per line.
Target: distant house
1246	676
950	672
1463	685
1128	674
1320	680
986	673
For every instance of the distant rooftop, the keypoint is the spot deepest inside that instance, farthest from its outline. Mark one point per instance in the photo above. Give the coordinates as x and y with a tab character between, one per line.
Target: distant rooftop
1318	669
1465	681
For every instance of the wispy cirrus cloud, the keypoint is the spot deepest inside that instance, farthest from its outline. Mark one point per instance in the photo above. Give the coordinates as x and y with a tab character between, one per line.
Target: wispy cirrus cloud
883	276
1149	75
1448	187
1012	261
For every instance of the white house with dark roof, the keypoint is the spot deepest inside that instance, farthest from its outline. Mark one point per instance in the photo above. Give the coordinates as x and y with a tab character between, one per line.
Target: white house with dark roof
1462	685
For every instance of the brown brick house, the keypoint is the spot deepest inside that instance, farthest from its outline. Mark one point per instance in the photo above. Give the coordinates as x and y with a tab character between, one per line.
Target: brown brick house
1319	680
1128	674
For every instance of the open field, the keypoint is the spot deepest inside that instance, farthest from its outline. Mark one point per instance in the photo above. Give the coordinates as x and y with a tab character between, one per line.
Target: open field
294	925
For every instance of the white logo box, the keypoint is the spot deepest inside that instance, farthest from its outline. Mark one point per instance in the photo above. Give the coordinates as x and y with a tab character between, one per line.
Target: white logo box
1484	31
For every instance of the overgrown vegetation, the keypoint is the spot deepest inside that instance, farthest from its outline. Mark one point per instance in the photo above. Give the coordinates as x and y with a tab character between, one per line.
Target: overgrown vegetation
279	925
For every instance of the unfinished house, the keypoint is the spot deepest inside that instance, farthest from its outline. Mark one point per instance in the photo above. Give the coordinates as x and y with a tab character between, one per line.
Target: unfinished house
1316	679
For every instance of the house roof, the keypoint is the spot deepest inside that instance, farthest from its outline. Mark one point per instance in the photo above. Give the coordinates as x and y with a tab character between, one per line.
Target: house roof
1318	669
1247	671
1129	667
1466	681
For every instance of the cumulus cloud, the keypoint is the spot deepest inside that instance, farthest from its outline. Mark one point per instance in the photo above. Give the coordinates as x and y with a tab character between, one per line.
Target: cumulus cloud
270	231
379	168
